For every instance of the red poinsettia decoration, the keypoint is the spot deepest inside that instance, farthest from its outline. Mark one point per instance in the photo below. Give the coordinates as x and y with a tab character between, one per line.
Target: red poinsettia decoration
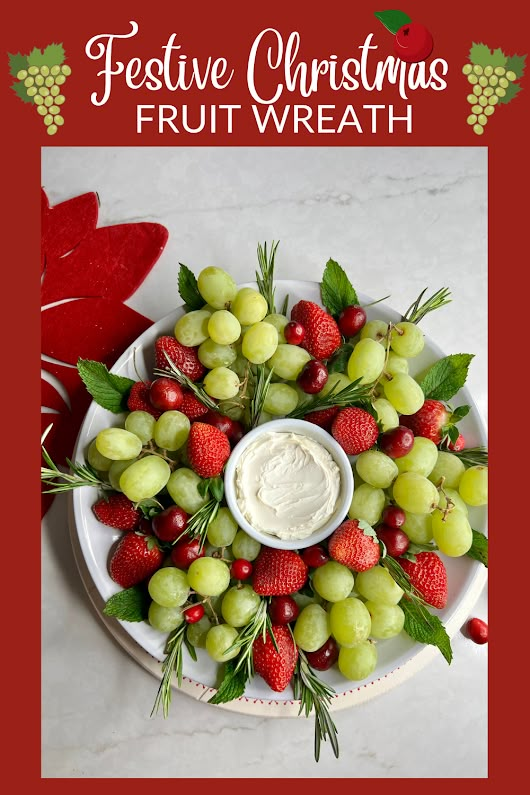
88	273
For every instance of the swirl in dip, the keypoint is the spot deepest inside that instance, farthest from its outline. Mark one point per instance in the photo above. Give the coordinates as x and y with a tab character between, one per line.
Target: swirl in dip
287	485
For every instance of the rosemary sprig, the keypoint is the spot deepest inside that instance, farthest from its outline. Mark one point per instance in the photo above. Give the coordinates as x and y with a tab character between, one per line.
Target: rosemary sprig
473	456
81	475
315	695
403	580
353	394
265	275
199	523
417	310
171	665
176	373
262	383
259	625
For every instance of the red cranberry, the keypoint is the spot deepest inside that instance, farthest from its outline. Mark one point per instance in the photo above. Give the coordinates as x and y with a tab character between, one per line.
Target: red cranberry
351	320
313	377
165	394
396	541
193	613
413	42
478	630
314	556
186	551
325	657
294	333
283	610
394	517
168	525
241	569
396	442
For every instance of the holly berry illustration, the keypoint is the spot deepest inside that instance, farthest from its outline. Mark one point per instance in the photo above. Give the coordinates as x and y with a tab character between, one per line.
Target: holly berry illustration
413	42
40	77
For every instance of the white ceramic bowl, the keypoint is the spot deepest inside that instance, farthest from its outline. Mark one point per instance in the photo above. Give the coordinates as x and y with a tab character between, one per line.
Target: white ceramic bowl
327	441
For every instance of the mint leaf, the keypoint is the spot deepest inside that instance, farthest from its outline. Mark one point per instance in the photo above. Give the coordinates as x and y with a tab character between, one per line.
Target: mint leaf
446	377
425	628
481	55
479	548
340	359
188	290
130	604
459	413
232	686
392	20
335	289
17	61
108	390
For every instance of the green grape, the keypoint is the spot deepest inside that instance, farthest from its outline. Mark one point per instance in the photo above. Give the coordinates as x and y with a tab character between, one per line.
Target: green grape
279	322
489	110
42	109
378	585
367	503
209	576
249	306
493	81
196	633
60	99
223	327
421	458
387	417
366	361
500	70
312	628
142	424
52	129
477	110
44	70
212	355
511	76
358	662
452	533
55	70
501	92
192	328
477	90
33	70
503	82
118	444
471	98
182	488
221	383
483	101
219	640
455	498
216	287
117	468
478	129
396	364
169	587
48	119
404	393
38	100
472	119
280	400
39	80
49	82
473	79
288	361
478	69
145	478
22	74
407	340
29	81
48	101
165	619
467	68
387	620
414	493
65	69
239	605
488	71
44	91
60	80
244	546
376	330
232	409
97	461
483	81
473	486
350	621
32	91
493	100
340	379
55	91
260	342
449	467
222	529
332	581
171	430
376	468
418	527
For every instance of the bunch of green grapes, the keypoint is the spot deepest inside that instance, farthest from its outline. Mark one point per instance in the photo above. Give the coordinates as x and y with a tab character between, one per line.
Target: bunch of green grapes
43	85
489	85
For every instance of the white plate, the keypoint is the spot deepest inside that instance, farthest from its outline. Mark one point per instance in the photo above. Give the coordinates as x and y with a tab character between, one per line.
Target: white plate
398	658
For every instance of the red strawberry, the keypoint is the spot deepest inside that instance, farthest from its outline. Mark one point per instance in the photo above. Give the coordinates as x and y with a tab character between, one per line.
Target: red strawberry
185	358
278	572
458	444
432	421
429	576
135	558
191	406
355	430
353	547
138	399
323	417
276	667
208	449
117	511
322	335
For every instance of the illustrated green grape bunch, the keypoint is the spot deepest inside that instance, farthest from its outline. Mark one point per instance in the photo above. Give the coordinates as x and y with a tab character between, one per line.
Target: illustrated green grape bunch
40	78
492	76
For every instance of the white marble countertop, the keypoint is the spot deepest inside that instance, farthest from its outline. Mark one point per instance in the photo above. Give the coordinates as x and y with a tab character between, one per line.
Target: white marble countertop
399	220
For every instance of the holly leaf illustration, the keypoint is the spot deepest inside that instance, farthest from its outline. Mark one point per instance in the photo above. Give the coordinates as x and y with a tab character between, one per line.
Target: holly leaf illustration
20	90
511	92
517	64
392	20
481	55
17	61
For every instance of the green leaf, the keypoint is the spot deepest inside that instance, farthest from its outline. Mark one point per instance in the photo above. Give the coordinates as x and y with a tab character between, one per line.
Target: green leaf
335	289
188	290
459	413
479	548
426	628
481	55
453	433
130	604
54	55
108	390
340	359
517	64
392	20
232	686
511	92
367	529
17	61
191	649
446	377
20	90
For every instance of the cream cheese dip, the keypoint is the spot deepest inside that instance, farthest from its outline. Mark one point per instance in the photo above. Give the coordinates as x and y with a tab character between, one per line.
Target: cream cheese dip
287	485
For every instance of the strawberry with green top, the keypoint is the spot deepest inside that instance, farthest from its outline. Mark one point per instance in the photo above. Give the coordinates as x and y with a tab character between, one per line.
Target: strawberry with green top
136	558
275	665
354	544
117	511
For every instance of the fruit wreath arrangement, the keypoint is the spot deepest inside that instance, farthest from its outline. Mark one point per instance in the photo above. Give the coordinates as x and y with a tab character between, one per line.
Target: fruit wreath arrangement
182	563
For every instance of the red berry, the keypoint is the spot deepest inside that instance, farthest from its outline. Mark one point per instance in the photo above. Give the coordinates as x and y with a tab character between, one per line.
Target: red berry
208	449
138	399
394	517
396	442
413	42
165	394
355	430
236	434
313	377
351	320
325	657
218	420
396	541
322	335
314	556
294	333
457	445
117	511
186	551
170	523
193	613
478	630
283	609
241	569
